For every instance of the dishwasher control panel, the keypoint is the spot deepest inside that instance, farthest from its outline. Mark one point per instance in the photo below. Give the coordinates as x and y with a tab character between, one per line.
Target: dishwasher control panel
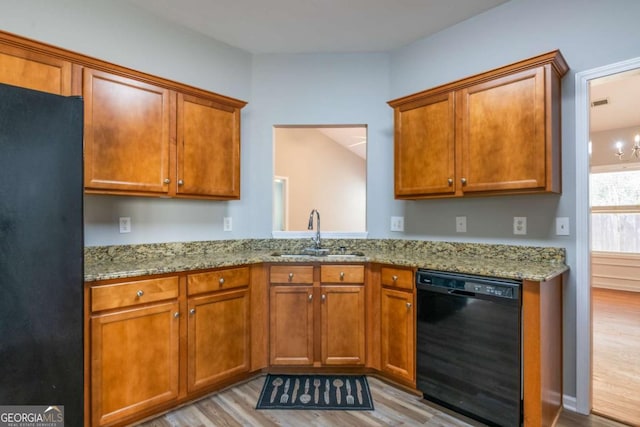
463	284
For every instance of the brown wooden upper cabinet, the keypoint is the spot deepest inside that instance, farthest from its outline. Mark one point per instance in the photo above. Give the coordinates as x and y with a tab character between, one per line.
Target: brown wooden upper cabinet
25	67
147	139
493	133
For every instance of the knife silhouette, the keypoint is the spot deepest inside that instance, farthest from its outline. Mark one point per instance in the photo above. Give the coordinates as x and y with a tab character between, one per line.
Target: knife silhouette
295	391
326	392
359	391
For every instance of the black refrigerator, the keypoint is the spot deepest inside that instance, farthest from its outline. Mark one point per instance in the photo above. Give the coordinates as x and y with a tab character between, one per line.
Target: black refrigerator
41	251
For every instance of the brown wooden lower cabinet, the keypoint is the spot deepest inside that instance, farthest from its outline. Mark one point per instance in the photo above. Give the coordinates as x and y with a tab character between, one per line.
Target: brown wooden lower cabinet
314	323
398	335
135	361
158	341
218	338
291	325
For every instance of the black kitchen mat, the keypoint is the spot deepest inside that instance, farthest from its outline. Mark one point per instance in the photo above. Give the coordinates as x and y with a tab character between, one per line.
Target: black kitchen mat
300	392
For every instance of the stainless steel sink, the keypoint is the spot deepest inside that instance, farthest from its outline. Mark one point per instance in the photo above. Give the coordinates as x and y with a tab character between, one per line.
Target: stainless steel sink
317	254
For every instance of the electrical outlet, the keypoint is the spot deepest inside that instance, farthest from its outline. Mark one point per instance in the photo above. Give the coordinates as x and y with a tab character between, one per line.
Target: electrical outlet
519	225
397	223
125	224
227	224
562	226
461	224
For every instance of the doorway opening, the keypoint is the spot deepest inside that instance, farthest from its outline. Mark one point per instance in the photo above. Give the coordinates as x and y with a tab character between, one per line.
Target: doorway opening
608	241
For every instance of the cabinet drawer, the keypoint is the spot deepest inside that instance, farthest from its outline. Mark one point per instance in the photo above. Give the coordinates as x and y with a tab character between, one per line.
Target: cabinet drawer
396	277
132	293
291	274
217	280
342	274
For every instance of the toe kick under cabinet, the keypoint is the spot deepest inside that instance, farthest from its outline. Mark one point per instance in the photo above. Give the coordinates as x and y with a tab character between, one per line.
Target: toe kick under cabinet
157	341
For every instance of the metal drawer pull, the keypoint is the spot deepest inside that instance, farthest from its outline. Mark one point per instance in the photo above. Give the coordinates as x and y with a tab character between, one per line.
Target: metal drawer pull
176	314
167	181
463	181
221	281
192	311
342	275
394	278
290	276
450	181
180	182
310	297
140	293
408	305
324	297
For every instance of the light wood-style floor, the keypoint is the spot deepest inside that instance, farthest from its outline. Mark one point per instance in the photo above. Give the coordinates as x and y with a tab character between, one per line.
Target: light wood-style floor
616	354
235	406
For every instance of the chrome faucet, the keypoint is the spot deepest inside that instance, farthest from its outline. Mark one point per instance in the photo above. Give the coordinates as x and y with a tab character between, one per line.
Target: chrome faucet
316	239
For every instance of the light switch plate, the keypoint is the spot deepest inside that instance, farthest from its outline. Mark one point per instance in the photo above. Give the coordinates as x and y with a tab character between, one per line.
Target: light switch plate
397	223
124	223
461	224
562	226
520	225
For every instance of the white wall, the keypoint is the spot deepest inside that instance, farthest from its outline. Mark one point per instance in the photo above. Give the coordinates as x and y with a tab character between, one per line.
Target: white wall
343	88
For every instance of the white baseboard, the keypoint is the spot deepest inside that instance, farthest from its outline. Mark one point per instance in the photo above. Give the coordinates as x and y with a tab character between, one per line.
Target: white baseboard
569	403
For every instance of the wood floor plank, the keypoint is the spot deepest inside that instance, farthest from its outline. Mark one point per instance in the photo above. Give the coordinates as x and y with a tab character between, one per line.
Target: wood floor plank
235	406
616	354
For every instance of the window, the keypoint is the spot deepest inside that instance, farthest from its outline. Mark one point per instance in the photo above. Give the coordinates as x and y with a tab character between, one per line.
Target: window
615	211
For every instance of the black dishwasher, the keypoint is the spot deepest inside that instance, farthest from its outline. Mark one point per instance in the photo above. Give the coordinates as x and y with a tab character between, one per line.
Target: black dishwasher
468	345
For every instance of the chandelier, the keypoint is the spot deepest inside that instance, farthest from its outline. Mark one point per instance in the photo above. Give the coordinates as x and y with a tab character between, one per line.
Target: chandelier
635	150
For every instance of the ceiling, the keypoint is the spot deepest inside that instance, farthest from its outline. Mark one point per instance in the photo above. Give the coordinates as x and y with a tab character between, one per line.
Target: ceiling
622	92
316	26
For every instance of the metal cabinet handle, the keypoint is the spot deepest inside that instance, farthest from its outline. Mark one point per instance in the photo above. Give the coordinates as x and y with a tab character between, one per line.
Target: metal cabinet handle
167	181
342	275
176	314
463	181
408	305
310	297
140	293
221	281
394	278
290	276
192	311
324	297
450	181
180	182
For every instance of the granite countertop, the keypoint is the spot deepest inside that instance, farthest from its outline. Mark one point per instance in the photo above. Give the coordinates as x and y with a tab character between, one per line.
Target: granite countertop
505	261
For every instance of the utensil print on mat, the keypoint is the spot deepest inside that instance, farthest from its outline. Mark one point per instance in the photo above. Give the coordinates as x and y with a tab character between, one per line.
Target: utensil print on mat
306	397
359	391
295	390
350	400
316	392
326	392
285	396
337	383
276	383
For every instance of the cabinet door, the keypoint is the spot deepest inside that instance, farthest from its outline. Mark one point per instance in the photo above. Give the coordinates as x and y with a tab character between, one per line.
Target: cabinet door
425	147
208	148
126	135
343	325
398	334
134	361
31	70
503	133
218	337
291	325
